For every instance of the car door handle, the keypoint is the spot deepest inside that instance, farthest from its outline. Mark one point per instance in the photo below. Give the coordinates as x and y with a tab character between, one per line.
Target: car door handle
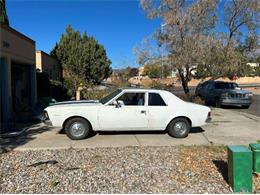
143	112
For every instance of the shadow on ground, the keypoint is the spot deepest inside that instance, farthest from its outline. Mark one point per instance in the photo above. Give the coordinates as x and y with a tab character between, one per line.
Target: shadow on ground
9	143
222	167
193	130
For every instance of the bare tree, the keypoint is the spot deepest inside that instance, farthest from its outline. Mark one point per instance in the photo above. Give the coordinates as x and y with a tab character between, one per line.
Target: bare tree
227	53
184	22
147	51
192	38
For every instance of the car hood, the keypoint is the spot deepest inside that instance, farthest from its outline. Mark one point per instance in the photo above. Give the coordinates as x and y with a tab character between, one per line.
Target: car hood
74	103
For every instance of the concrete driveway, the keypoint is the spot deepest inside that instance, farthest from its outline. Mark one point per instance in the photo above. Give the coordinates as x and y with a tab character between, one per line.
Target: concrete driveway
227	127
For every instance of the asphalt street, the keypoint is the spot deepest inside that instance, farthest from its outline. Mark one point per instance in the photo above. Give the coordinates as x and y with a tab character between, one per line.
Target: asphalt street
253	109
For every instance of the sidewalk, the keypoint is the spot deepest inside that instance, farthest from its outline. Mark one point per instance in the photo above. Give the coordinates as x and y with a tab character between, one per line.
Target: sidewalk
227	127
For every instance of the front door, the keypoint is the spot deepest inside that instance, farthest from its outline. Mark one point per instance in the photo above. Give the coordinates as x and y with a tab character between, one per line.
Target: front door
129	113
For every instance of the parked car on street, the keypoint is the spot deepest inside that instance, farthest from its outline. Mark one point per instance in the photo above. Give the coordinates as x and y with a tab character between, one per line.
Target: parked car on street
221	93
128	109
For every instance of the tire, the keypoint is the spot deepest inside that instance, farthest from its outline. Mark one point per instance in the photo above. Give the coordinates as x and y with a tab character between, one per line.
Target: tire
77	128
217	102
179	128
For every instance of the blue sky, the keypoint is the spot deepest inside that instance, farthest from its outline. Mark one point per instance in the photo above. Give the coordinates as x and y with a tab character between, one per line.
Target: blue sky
118	25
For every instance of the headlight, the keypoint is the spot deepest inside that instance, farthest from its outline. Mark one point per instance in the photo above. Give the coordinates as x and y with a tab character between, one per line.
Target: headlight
249	95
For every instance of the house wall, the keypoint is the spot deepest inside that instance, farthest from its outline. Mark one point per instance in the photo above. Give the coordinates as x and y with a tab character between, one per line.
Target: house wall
48	64
15	48
38	61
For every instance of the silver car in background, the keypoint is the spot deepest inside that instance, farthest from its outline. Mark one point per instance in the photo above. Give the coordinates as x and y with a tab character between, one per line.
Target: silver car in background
221	93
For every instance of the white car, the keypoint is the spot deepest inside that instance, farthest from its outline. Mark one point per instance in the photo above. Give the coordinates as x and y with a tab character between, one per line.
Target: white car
128	109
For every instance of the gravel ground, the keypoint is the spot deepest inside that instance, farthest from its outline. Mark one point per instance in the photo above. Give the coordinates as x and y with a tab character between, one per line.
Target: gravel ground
116	170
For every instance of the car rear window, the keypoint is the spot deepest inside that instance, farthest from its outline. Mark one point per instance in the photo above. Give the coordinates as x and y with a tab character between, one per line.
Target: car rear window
225	85
155	100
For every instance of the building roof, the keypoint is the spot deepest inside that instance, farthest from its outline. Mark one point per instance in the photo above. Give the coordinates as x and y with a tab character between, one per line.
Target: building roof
40	51
15	32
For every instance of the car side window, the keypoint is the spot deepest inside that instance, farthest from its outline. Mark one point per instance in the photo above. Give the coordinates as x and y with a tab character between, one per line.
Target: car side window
210	86
132	99
155	100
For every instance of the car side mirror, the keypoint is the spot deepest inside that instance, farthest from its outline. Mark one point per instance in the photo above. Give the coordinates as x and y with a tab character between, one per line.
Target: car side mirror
117	104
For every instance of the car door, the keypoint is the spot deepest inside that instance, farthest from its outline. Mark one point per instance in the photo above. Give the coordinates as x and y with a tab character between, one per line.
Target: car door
130	113
211	92
158	112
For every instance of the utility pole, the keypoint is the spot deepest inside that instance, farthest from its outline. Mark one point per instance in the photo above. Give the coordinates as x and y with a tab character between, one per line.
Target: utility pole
162	25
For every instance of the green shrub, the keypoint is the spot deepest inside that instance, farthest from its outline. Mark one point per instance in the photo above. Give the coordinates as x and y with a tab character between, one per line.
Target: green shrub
93	94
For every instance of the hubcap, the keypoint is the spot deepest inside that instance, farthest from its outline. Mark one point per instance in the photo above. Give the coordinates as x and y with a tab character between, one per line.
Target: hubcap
77	129
180	128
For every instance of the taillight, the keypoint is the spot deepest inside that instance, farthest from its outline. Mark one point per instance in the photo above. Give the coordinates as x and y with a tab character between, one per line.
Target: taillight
209	114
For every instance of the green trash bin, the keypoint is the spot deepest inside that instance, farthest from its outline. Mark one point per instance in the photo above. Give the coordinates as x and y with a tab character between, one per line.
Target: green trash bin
240	168
256	157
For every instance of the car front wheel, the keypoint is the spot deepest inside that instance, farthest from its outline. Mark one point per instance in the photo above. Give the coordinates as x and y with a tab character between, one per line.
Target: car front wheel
77	128
179	128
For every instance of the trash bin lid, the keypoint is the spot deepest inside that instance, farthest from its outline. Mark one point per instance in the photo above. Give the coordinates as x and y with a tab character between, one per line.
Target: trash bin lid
237	148
255	146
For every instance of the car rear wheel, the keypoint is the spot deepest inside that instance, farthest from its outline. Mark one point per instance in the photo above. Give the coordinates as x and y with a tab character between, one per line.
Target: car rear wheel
77	128
179	128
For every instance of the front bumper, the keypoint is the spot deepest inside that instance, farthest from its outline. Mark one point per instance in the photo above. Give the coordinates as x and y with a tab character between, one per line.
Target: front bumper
47	122
235	102
45	119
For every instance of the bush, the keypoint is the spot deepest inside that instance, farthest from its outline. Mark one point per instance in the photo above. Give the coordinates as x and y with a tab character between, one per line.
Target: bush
120	83
93	94
160	85
191	98
58	91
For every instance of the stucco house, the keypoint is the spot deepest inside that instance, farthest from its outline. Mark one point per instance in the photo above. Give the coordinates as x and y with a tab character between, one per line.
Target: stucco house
48	64
17	74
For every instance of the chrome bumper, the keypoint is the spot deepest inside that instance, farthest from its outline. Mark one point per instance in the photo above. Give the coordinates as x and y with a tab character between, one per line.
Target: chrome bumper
45	119
47	122
239	102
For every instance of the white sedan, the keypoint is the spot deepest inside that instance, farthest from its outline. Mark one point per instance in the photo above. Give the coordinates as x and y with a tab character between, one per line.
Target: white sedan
128	109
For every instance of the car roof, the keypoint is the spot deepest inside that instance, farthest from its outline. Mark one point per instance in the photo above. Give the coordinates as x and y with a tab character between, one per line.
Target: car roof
141	89
211	81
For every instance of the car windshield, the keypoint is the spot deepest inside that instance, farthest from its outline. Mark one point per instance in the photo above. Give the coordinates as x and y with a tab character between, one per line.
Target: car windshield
226	85
107	98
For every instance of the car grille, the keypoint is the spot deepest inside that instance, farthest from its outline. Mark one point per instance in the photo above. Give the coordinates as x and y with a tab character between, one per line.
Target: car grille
238	95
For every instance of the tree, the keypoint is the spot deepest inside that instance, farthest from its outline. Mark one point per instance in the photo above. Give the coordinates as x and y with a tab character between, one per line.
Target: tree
154	70
184	22
228	53
192	38
3	14
83	59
